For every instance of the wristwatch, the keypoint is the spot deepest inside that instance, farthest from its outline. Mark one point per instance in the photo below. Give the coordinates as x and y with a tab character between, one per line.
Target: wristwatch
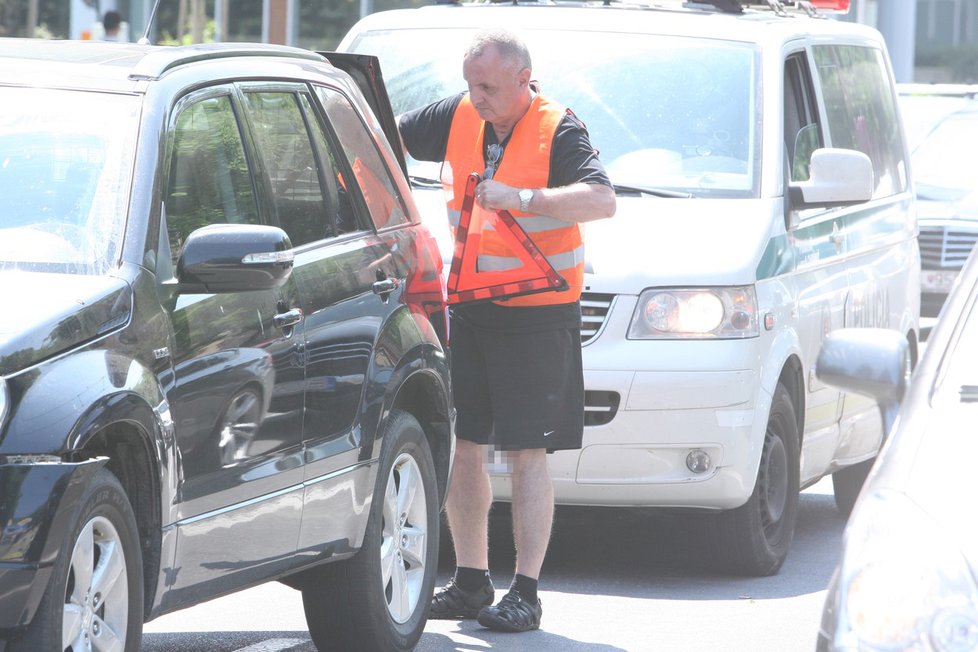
526	196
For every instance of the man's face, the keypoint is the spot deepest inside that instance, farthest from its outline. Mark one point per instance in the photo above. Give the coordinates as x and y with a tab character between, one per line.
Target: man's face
496	86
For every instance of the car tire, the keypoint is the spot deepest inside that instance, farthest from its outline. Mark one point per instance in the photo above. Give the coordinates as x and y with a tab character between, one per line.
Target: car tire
848	482
754	538
95	592
379	599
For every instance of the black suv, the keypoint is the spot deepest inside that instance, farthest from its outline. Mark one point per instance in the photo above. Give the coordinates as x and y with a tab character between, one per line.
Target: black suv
222	344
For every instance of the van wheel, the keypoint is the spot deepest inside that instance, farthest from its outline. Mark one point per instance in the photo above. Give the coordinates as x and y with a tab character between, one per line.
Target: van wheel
94	599
754	538
379	599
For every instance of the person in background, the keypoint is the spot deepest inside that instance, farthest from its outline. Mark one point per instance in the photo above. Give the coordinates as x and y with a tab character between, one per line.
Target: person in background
516	364
112	23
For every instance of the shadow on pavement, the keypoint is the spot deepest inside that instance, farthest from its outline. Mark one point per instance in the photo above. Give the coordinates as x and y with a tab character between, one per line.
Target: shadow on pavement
647	553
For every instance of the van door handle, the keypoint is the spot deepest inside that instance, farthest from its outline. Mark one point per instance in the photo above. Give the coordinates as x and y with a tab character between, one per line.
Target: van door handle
289	318
837	238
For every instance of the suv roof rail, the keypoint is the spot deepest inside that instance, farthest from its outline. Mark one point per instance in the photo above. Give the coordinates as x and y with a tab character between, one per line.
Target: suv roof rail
162	59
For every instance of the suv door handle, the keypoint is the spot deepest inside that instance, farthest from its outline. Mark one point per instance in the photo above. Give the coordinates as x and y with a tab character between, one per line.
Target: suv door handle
385	286
289	318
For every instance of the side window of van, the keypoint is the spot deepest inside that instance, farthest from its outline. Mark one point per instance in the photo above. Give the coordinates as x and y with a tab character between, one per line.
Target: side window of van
861	110
802	135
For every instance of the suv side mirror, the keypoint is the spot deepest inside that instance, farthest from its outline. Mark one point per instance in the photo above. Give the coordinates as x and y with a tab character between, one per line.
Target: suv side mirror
234	258
838	177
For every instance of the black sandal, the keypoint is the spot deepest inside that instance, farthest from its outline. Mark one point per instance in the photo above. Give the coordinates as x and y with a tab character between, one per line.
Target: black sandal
454	603
512	614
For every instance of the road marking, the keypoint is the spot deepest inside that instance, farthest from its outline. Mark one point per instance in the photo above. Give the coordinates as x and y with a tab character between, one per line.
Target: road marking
274	645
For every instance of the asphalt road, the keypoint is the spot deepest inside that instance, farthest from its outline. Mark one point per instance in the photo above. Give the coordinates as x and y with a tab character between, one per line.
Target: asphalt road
615	579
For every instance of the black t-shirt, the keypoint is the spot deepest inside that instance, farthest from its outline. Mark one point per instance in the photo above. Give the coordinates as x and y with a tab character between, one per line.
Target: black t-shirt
572	158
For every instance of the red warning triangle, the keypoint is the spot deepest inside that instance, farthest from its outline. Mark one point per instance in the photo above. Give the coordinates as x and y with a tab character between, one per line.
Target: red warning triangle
466	283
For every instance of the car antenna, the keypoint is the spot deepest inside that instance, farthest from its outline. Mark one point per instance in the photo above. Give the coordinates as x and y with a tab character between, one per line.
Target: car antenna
144	39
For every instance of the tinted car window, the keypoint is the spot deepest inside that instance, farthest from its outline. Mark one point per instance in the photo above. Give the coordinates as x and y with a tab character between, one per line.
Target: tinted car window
341	216
65	162
380	193
292	166
209	181
862	112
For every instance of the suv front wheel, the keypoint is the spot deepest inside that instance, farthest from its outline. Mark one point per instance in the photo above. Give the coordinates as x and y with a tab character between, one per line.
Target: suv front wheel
379	599
94	599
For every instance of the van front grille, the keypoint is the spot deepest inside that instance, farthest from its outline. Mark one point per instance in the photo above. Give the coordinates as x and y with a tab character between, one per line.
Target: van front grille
945	247
594	310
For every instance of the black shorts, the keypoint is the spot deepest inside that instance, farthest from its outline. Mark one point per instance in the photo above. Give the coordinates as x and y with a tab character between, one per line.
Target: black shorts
517	375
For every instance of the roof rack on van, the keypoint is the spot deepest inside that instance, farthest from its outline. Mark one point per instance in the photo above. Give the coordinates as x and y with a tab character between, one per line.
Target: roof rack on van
810	7
781	7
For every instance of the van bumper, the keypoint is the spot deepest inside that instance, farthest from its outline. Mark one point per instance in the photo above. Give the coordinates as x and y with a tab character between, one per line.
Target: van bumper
639	456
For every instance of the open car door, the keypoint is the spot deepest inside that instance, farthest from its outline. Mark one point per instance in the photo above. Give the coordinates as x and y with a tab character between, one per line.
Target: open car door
365	71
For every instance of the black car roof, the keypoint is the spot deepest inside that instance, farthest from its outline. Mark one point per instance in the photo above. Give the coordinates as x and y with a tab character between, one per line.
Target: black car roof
115	66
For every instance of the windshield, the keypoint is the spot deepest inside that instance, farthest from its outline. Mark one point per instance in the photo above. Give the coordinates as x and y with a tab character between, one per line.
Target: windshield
921	112
65	166
664	112
944	163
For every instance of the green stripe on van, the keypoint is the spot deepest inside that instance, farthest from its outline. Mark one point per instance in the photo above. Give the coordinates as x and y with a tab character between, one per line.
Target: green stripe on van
862	230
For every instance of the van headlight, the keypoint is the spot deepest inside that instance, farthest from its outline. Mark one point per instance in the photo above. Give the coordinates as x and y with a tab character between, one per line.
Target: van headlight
903	583
695	313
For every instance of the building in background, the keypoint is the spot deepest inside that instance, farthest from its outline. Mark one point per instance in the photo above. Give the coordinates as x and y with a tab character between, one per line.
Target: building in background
929	40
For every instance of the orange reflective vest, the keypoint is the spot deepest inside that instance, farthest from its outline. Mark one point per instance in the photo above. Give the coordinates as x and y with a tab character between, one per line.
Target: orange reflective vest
525	164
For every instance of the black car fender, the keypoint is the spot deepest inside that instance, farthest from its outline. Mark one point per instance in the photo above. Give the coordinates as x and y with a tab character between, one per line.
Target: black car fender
417	382
30	537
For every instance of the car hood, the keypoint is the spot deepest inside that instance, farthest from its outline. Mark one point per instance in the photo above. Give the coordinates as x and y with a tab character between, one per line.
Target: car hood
963	210
44	314
671	242
656	242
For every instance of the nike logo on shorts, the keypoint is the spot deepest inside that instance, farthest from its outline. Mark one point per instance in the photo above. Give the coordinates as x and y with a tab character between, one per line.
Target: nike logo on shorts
548	433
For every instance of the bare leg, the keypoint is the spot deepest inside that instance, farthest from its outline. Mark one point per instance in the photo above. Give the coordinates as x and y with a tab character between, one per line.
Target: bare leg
469	500
533	509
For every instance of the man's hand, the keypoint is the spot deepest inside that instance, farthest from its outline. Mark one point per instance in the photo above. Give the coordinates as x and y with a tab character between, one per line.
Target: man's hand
495	196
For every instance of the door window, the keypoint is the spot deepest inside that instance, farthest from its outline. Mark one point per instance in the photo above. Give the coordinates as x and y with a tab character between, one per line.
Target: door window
861	110
291	164
371	174
802	135
209	180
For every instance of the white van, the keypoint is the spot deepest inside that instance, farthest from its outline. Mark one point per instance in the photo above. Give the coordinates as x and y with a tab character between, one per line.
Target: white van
764	199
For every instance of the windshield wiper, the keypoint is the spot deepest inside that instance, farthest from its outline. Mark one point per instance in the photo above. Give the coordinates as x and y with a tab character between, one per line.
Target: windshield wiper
424	182
621	188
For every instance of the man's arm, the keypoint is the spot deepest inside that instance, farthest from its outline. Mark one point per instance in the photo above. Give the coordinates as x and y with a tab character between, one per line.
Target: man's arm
578	202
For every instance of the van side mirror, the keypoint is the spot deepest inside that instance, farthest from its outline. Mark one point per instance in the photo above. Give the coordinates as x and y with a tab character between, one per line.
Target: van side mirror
838	177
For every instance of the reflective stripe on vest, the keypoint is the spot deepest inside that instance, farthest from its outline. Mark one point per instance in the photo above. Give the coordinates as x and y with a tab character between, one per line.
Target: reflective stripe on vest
525	164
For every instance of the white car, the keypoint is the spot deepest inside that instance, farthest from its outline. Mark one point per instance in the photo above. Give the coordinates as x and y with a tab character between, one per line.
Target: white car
906	579
941	121
764	199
